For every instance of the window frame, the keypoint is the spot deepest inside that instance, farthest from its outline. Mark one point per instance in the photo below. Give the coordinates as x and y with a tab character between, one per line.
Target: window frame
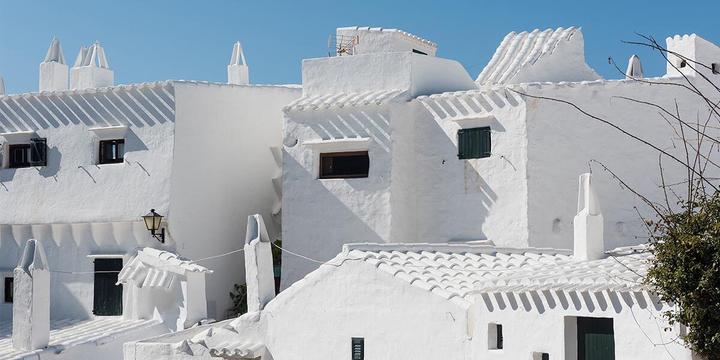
26	149
8	291
359	175
495	336
119	156
460	141
358	354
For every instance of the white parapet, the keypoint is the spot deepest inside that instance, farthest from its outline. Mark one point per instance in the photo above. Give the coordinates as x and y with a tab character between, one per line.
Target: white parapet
589	243
31	303
237	71
259	275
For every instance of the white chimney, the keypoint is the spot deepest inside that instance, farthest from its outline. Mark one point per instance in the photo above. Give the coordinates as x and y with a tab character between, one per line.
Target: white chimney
31	303
91	69
238	71
53	70
259	275
634	68
589	243
2	86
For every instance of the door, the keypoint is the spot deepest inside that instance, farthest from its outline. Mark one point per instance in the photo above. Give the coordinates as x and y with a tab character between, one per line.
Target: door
108	296
595	339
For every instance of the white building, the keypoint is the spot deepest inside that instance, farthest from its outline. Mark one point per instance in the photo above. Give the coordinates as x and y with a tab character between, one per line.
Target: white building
445	301
388	145
81	163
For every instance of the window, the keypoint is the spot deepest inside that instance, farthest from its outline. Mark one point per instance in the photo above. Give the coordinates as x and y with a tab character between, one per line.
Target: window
344	165
715	68
540	356
495	337
9	283
474	143
26	155
107	300
358	349
595	336
112	151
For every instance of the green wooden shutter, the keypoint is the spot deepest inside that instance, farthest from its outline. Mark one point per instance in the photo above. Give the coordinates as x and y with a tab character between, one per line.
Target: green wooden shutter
474	143
38	152
107	295
595	339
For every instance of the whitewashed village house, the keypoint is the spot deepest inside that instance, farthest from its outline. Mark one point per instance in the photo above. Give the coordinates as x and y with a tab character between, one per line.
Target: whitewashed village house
83	160
451	204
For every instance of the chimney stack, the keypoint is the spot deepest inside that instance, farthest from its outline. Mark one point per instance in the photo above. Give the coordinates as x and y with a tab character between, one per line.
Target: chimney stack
259	275
634	68
238	71
31	303
91	69
53	70
589	242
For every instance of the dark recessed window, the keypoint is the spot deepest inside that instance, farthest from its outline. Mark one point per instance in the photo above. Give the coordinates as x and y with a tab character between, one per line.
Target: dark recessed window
344	165
112	151
9	289
716	68
474	143
495	336
419	52
358	349
26	155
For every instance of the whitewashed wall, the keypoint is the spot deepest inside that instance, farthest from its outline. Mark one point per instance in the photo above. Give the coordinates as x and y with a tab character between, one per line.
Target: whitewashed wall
396	319
562	142
223	171
532	323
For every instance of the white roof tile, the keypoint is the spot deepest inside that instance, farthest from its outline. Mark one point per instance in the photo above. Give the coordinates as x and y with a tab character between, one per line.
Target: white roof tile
343	99
456	270
519	50
67	333
157	268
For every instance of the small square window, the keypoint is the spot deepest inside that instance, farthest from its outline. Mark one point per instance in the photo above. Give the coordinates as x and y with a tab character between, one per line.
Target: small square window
112	151
716	68
495	337
27	155
342	165
358	349
540	356
9	283
474	143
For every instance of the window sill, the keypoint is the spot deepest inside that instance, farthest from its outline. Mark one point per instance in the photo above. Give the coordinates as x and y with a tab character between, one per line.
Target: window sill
110	164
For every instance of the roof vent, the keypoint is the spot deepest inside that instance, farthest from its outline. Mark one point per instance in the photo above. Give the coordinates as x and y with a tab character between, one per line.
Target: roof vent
634	68
91	69
238	71
53	70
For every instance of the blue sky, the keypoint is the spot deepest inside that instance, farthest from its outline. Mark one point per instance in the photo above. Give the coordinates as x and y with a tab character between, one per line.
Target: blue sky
148	40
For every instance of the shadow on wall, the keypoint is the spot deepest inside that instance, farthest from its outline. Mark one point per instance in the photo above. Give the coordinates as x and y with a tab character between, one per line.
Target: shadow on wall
53	163
355	124
578	300
321	234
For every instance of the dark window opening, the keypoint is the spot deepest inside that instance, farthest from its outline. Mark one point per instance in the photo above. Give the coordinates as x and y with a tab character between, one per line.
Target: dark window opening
544	356
344	165
107	296
112	151
26	155
715	68
683	63
595	338
495	337
358	348
277	264
474	143
419	52
9	283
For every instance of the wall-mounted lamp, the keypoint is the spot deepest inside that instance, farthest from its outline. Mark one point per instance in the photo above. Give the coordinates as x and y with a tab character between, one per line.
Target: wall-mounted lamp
152	222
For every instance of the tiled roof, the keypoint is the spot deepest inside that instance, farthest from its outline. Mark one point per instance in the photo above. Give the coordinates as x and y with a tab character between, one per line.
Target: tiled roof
67	333
343	99
519	50
233	339
156	268
460	272
401	32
